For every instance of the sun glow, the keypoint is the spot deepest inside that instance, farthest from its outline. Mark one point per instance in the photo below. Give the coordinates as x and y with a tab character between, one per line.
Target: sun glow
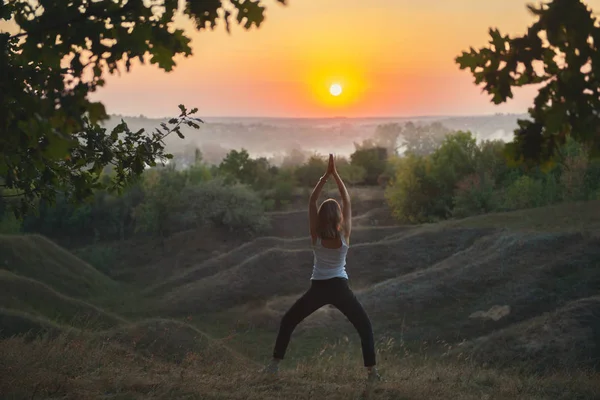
335	89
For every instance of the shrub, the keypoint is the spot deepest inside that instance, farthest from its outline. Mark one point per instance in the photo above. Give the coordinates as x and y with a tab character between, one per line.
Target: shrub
308	174
450	163
411	191
474	195
156	215
525	192
372	160
198	173
350	173
591	182
283	190
10	225
572	178
490	159
236	207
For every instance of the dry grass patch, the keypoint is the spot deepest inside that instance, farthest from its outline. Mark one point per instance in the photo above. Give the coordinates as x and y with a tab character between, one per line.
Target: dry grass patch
76	367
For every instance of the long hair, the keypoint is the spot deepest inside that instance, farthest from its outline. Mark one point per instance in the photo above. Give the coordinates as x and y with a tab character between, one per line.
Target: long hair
330	219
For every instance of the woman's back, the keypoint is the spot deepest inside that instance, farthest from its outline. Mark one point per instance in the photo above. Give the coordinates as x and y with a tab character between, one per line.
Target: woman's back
329	261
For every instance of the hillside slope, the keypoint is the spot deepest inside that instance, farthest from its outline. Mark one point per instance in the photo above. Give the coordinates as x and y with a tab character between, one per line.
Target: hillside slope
281	271
36	257
35	298
240	254
440	283
566	338
507	290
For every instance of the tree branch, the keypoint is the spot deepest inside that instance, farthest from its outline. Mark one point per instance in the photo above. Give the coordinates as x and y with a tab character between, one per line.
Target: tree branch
81	18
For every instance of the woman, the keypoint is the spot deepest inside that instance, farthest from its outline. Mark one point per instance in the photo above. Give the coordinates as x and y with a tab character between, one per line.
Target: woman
330	227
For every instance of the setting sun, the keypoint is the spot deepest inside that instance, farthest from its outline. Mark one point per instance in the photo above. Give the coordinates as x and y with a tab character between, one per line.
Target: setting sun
335	89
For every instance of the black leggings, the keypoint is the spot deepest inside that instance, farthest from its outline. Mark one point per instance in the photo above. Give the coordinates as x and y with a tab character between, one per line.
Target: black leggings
337	293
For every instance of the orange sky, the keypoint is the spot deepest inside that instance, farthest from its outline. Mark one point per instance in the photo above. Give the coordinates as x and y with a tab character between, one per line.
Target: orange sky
393	58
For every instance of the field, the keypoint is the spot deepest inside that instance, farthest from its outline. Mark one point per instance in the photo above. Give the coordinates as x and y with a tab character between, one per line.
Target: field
501	306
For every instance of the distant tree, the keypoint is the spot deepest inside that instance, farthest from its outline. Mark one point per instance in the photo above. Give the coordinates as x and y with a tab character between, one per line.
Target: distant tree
294	158
412	191
373	160
198	158
238	165
261	173
491	160
198	173
234	207
49	132
350	173
454	160
162	189
282	192
309	173
213	153
423	187
558	53
387	136
422	140
474	194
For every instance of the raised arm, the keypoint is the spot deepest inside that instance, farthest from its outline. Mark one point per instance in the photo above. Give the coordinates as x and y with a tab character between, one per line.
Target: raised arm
346	206
313	218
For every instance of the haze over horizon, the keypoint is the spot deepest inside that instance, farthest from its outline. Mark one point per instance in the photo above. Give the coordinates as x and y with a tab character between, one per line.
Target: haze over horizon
392	59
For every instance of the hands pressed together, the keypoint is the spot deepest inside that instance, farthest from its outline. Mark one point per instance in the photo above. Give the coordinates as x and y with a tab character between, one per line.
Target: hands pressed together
331	171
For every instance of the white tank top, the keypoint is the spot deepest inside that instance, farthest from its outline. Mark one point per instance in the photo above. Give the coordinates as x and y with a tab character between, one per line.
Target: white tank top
329	263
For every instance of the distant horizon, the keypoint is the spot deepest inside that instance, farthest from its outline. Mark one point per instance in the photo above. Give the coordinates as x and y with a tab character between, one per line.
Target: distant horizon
432	116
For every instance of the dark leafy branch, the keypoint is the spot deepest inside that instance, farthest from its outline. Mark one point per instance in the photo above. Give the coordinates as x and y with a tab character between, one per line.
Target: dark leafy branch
560	54
50	135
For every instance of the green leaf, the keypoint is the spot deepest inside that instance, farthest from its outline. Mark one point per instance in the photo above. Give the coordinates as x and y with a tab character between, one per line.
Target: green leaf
96	112
497	40
58	147
203	13
163	57
250	11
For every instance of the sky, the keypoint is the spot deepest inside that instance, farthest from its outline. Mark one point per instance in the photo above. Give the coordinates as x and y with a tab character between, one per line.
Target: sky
393	58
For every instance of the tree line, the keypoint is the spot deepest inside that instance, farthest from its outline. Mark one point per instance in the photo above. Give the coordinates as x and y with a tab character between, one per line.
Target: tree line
233	194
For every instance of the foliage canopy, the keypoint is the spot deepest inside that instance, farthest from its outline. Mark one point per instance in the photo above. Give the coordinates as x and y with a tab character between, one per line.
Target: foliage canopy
60	53
560	54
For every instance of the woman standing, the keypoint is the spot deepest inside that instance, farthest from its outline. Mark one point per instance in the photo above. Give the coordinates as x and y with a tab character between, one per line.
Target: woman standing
330	227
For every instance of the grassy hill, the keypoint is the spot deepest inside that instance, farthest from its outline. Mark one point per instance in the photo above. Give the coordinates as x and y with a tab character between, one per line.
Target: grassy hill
283	271
35	257
240	254
500	306
35	298
561	339
19	323
429	284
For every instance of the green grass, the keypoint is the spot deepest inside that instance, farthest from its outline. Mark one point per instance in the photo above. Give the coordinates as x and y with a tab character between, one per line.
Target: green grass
35	257
35	298
19	323
566	217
